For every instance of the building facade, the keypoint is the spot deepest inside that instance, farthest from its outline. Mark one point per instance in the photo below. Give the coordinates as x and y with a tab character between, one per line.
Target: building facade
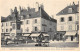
68	21
26	22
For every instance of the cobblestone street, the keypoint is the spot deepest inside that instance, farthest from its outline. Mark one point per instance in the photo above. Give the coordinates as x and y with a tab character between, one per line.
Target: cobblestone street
55	44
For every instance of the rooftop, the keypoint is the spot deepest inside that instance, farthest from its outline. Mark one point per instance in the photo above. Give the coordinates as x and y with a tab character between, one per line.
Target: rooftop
74	8
28	13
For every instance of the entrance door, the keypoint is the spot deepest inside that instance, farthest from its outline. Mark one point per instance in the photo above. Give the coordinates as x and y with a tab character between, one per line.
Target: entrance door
71	38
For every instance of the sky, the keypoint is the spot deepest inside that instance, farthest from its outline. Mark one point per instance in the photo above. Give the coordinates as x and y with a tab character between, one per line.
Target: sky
52	7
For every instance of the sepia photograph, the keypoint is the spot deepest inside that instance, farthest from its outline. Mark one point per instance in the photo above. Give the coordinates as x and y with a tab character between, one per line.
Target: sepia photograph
39	23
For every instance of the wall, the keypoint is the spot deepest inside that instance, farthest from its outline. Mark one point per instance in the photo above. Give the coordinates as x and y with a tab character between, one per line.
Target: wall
4	27
67	23
47	25
31	24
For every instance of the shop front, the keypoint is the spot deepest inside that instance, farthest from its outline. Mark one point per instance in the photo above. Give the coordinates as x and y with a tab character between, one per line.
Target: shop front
71	36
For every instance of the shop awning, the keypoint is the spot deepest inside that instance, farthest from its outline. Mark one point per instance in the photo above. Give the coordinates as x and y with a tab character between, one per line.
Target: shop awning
35	35
70	33
45	35
26	34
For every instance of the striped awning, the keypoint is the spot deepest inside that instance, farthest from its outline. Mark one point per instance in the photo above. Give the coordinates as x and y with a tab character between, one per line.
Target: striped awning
70	33
26	35
35	35
45	35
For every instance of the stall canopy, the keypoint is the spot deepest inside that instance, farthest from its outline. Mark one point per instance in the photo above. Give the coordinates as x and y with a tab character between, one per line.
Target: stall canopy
45	35
35	35
70	33
26	34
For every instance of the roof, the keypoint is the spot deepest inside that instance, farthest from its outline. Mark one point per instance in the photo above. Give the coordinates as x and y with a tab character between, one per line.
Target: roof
8	18
65	10
46	16
30	13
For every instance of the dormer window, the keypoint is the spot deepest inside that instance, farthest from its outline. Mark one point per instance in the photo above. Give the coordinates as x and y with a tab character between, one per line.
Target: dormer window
70	10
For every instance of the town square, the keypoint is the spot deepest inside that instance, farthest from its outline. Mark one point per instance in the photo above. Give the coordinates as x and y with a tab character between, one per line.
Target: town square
34	27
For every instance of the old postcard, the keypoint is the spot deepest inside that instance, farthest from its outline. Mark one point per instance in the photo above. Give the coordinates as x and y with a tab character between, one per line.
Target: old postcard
39	25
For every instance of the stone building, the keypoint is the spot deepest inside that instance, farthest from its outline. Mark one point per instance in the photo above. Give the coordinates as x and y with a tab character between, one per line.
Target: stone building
28	22
68	21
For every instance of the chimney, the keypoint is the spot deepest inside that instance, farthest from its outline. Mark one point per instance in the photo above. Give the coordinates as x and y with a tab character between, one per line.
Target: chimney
20	9
15	9
28	8
16	13
42	6
36	6
11	11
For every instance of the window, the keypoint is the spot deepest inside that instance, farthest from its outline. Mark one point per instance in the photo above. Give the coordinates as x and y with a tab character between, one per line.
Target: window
27	21
70	10
13	26
2	30
27	29
35	20
35	28
70	27
6	24
10	24
77	27
44	28
18	26
62	27
78	17
77	9
23	16
62	19
2	24
70	18
44	21
71	38
6	30
10	29
50	29
22	23
29	15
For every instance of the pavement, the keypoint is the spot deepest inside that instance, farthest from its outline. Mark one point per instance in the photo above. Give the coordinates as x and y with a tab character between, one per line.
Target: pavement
53	44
